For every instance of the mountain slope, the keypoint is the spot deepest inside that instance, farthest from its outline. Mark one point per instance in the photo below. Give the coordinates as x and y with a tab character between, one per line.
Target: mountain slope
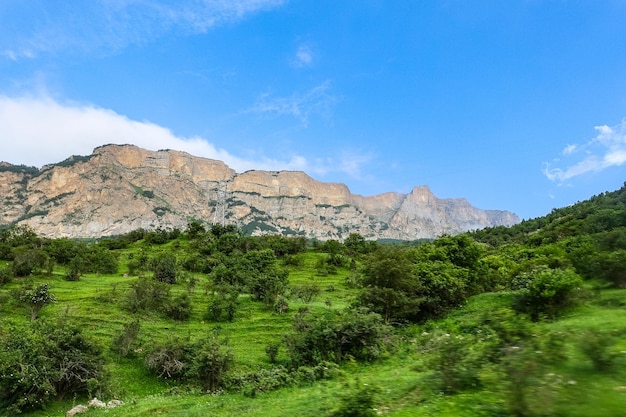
120	188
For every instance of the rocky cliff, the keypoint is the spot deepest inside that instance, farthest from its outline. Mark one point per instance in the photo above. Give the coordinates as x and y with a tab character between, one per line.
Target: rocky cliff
121	188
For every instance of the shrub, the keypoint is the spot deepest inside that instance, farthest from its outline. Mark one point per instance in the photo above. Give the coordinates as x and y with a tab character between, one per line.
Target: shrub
164	268
123	341
211	361
169	360
549	293
358	401
261	380
596	346
5	276
224	303
456	362
35	298
147	294
44	360
271	350
179	308
335	336
306	292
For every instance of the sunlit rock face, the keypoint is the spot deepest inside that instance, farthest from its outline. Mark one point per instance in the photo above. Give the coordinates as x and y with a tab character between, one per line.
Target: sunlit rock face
119	188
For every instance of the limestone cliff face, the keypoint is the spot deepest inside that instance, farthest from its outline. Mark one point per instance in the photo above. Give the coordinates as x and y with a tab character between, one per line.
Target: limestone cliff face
117	189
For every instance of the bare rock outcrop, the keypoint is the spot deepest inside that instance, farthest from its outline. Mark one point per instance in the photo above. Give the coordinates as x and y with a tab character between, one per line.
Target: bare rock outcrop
119	188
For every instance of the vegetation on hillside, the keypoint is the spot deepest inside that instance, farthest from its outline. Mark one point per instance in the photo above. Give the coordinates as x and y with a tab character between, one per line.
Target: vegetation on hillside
520	321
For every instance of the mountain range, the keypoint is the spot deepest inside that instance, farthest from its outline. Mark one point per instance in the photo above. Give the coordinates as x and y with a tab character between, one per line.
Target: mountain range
119	188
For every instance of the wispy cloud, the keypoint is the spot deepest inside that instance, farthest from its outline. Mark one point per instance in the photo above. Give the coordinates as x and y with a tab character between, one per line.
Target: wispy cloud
318	100
303	57
39	130
50	26
606	150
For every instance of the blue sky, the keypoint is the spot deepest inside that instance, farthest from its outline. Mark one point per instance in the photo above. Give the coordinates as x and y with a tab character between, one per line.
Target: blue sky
517	105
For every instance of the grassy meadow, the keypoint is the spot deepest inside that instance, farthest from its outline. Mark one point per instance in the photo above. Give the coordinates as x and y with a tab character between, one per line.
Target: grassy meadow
404	380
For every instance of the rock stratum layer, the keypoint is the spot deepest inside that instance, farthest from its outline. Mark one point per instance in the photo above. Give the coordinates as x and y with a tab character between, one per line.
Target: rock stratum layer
119	188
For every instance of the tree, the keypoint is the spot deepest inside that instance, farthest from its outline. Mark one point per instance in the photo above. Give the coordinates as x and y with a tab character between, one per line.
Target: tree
27	261
164	267
224	303
195	229
211	361
549	293
44	360
333	336
123	341
389	287
36	299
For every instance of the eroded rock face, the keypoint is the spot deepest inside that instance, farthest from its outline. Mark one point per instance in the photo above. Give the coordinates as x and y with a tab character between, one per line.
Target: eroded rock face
119	188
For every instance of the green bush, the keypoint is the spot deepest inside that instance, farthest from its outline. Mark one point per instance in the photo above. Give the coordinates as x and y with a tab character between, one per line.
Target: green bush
147	294
5	276
44	360
164	268
272	350
34	298
334	337
358	401
169	360
179	308
123	341
210	363
549	293
456	362
223	304
596	346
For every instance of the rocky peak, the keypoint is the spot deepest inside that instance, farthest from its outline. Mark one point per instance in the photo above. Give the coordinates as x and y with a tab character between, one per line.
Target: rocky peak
119	188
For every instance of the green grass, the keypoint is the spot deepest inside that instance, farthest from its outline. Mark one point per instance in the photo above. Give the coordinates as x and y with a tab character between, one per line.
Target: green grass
405	383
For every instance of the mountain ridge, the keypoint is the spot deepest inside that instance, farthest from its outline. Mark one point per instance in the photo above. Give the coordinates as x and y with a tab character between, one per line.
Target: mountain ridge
119	188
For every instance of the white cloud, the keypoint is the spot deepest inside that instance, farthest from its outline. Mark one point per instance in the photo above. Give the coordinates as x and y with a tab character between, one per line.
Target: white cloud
569	149
304	56
39	131
36	131
318	100
606	150
114	24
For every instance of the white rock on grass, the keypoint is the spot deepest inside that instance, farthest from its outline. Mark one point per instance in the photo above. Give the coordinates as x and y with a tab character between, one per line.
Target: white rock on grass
77	409
96	403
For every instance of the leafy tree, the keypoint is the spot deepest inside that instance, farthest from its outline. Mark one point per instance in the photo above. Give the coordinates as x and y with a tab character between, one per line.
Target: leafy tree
195	229
63	250
211	361
269	285
179	308
100	260
549	293
164	268
74	269
355	243
442	287
224	303
35	298
44	360
27	261
334	336
147	294
123	341
389	287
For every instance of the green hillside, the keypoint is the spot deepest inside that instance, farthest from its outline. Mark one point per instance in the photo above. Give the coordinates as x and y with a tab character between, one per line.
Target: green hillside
521	321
